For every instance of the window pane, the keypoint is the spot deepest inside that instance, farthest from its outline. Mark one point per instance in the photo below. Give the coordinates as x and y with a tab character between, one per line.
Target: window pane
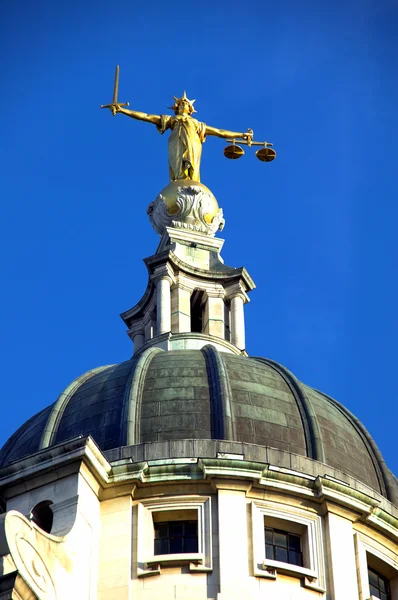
281	554
191	528
269	551
382	585
161	530
295	558
176	546
176	528
294	543
269	536
162	546
379	585
191	544
283	546
280	539
373	578
374	591
176	537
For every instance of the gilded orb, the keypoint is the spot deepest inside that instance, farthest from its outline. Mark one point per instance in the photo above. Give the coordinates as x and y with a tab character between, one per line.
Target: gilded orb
170	192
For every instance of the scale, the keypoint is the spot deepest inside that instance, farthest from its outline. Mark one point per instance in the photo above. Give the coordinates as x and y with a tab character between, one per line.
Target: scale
265	154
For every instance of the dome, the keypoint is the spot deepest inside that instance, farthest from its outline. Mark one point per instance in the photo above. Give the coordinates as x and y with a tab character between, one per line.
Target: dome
205	394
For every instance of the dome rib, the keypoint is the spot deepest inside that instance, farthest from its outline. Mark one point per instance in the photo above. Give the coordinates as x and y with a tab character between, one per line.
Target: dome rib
132	402
312	432
381	469
55	416
222	419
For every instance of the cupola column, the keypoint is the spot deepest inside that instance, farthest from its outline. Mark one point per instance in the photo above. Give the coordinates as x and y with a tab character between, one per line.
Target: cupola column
137	335
163	305
238	298
213	322
180	309
163	278
138	340
237	322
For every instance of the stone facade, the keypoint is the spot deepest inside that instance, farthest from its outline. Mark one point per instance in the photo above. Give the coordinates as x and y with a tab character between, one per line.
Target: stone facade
101	543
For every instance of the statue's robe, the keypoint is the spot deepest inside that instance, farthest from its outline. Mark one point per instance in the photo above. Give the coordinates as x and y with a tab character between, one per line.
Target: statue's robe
185	145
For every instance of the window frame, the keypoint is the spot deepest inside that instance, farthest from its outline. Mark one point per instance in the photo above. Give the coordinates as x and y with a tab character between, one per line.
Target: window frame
149	563
275	545
383	578
290	519
371	553
168	539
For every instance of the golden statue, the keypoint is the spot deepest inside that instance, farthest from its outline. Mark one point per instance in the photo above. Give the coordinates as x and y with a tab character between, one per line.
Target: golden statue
188	135
185	201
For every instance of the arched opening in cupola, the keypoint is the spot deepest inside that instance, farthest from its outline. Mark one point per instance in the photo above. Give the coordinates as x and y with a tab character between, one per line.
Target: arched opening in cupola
197	311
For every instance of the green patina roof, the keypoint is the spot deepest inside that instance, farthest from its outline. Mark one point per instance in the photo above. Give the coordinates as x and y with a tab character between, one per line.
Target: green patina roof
203	395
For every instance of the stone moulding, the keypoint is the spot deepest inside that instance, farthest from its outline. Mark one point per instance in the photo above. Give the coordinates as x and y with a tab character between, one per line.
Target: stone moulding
320	488
192	202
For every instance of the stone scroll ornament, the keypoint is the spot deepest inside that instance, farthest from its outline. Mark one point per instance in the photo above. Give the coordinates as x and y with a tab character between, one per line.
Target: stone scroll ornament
193	207
20	538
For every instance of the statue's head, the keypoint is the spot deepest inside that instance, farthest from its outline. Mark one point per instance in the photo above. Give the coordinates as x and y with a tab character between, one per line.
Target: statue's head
183	106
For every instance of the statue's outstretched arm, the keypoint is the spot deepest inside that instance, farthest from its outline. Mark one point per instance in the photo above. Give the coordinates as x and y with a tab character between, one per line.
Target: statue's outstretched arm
224	133
141	116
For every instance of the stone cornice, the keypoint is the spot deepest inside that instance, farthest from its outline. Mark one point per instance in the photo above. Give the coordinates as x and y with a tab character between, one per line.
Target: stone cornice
257	477
163	271
56	462
173	235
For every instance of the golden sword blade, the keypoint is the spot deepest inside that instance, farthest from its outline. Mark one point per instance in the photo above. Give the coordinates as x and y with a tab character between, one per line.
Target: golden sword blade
115	92
116	85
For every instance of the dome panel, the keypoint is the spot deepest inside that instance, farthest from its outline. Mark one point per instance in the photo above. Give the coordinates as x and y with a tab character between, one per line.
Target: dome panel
264	407
26	440
176	399
345	449
96	407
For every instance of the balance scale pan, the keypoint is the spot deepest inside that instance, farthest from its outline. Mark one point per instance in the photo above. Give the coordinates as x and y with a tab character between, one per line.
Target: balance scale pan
266	154
233	152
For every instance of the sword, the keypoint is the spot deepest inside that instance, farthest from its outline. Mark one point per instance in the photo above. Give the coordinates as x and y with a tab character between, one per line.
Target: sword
115	94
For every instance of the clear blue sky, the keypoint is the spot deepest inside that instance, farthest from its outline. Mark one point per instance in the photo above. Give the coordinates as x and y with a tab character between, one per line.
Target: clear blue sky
316	228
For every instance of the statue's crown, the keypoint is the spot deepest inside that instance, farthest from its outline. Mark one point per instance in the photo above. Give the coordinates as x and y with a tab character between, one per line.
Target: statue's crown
177	102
